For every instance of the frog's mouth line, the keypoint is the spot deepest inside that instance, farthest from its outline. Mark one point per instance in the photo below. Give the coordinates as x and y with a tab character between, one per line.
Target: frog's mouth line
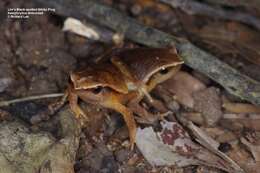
162	74
159	75
95	86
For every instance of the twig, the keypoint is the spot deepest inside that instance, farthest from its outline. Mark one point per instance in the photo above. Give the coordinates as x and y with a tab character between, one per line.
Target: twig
193	7
233	81
30	98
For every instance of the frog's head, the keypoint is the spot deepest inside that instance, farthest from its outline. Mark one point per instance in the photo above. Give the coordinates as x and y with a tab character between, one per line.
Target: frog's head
96	83
148	66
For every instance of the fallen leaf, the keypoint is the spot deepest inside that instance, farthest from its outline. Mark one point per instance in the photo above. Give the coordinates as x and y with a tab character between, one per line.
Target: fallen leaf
241	108
240	121
243	158
221	135
205	140
232	37
173	146
194	117
254	149
182	86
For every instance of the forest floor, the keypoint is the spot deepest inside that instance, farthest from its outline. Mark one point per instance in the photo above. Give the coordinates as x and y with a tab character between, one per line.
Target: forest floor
37	56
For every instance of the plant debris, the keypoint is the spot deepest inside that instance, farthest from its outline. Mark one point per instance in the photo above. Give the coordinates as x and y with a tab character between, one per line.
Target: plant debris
173	146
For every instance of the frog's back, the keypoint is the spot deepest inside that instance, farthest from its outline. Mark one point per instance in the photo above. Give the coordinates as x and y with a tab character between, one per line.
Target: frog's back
99	75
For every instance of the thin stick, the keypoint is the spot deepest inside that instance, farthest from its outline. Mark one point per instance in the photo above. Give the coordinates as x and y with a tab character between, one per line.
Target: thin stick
30	98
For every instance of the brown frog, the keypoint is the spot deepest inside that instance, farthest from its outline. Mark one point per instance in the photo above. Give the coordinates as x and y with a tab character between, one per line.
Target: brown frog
123	81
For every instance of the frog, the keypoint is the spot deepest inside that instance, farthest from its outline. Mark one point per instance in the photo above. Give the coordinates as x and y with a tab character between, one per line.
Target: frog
123	81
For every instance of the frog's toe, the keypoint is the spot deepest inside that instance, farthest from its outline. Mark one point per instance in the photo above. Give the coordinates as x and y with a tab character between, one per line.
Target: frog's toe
78	112
82	114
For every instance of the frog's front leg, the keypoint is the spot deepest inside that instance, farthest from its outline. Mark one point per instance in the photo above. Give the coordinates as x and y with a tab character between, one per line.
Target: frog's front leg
73	102
130	122
144	116
128	118
158	105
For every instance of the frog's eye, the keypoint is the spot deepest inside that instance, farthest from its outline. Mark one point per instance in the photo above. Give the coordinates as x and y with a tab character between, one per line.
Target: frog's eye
97	90
164	71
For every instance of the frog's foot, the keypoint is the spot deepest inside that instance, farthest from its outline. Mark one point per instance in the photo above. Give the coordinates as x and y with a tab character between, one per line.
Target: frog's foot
78	112
163	115
80	115
158	105
153	118
146	117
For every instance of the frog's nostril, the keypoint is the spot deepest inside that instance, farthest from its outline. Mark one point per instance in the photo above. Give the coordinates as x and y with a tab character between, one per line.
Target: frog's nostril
164	71
97	90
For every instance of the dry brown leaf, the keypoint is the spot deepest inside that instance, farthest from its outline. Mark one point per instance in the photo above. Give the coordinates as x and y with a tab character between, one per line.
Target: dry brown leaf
183	85
240	121
254	149
229	31
227	37
244	39
241	108
243	158
205	140
220	134
194	117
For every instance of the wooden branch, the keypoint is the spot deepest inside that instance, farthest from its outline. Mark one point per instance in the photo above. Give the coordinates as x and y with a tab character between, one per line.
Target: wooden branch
233	81
193	7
